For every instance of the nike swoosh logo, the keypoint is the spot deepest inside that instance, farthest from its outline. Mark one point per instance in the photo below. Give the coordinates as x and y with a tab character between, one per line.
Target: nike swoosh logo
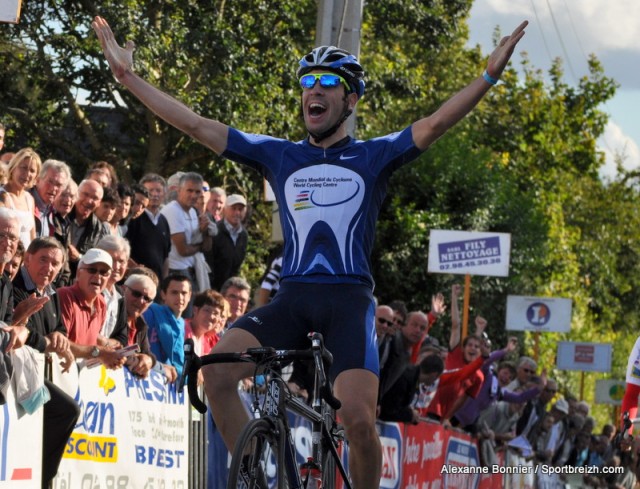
343	157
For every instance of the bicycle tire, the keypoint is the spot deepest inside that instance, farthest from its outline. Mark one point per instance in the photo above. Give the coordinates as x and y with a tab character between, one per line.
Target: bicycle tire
257	461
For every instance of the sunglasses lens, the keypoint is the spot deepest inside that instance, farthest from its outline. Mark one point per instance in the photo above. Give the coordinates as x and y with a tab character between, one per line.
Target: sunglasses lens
329	81
138	295
307	81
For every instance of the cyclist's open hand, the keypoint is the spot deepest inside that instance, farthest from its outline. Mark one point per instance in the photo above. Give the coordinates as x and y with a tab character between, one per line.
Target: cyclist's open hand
120	59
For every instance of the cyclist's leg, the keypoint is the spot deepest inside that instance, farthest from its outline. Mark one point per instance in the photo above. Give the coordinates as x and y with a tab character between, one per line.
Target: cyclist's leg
350	336
271	325
221	385
357	389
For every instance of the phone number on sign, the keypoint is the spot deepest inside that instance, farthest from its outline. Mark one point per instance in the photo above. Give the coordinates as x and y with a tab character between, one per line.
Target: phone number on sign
469	263
91	481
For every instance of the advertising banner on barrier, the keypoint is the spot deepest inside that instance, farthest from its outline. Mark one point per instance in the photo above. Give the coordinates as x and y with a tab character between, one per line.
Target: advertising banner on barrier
131	433
434	458
391	442
20	467
423	449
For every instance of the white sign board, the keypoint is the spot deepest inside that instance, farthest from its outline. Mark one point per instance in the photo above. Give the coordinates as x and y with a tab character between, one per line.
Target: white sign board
610	391
131	433
10	11
462	252
546	314
587	357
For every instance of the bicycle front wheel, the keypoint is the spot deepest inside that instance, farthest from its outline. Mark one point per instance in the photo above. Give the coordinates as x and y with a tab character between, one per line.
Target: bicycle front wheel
257	461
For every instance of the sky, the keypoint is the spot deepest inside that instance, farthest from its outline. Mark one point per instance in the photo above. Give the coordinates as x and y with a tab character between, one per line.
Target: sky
573	30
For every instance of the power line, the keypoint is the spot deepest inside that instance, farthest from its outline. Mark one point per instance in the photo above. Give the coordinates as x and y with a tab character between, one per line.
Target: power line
544	39
584	55
564	49
573	29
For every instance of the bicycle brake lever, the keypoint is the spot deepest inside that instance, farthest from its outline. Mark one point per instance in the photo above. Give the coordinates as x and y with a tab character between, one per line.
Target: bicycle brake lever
188	349
190	371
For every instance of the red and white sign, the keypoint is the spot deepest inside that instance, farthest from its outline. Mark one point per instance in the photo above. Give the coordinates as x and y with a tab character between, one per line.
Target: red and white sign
587	357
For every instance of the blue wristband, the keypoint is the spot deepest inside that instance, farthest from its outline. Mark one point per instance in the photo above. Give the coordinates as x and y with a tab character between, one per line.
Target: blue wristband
488	78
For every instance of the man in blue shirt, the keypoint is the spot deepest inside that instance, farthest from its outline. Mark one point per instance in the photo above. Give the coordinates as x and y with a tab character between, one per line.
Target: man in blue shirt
329	188
166	326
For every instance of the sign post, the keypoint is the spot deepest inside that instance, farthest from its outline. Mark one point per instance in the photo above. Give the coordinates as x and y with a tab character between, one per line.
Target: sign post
465	305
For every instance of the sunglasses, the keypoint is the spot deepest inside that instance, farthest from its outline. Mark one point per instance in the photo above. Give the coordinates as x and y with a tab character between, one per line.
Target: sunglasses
100	271
139	295
327	80
385	321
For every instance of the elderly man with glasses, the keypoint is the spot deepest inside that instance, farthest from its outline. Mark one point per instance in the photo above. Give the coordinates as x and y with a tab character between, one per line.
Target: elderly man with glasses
525	369
385	328
84	310
139	291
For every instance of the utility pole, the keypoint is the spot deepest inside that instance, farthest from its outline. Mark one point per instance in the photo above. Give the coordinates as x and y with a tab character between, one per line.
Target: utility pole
339	24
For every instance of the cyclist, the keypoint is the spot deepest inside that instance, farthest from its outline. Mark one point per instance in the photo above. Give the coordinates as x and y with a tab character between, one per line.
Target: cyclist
330	188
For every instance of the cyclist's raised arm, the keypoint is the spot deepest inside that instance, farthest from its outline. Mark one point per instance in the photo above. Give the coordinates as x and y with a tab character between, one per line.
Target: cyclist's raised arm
427	130
210	133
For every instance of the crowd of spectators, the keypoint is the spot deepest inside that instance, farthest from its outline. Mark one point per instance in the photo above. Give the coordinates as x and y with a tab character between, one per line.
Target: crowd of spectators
504	400
98	271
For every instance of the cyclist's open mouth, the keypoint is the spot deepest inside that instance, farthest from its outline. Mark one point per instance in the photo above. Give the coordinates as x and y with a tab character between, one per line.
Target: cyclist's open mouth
316	109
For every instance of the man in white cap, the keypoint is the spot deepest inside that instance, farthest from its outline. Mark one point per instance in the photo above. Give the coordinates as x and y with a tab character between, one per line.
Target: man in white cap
230	244
83	308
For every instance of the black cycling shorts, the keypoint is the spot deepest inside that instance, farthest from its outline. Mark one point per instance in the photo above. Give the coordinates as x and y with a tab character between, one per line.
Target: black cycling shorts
343	313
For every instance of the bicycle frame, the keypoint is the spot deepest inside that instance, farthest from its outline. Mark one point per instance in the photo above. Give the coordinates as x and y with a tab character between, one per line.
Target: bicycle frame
278	398
276	410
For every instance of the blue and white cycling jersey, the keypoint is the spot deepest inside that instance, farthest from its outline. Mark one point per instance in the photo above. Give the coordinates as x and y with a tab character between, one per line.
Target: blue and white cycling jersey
329	199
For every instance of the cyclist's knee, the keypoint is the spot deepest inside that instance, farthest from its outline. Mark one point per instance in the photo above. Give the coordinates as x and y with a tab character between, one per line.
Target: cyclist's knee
360	424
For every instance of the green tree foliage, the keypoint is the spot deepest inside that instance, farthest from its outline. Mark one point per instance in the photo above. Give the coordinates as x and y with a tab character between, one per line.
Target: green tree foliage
232	61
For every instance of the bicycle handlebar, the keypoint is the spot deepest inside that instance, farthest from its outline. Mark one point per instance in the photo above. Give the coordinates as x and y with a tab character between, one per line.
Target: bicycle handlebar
261	355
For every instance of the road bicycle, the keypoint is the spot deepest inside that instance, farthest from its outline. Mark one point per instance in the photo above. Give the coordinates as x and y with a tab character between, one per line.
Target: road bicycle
264	456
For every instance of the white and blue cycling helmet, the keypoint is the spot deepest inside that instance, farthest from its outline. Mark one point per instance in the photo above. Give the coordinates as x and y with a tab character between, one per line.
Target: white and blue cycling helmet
336	61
